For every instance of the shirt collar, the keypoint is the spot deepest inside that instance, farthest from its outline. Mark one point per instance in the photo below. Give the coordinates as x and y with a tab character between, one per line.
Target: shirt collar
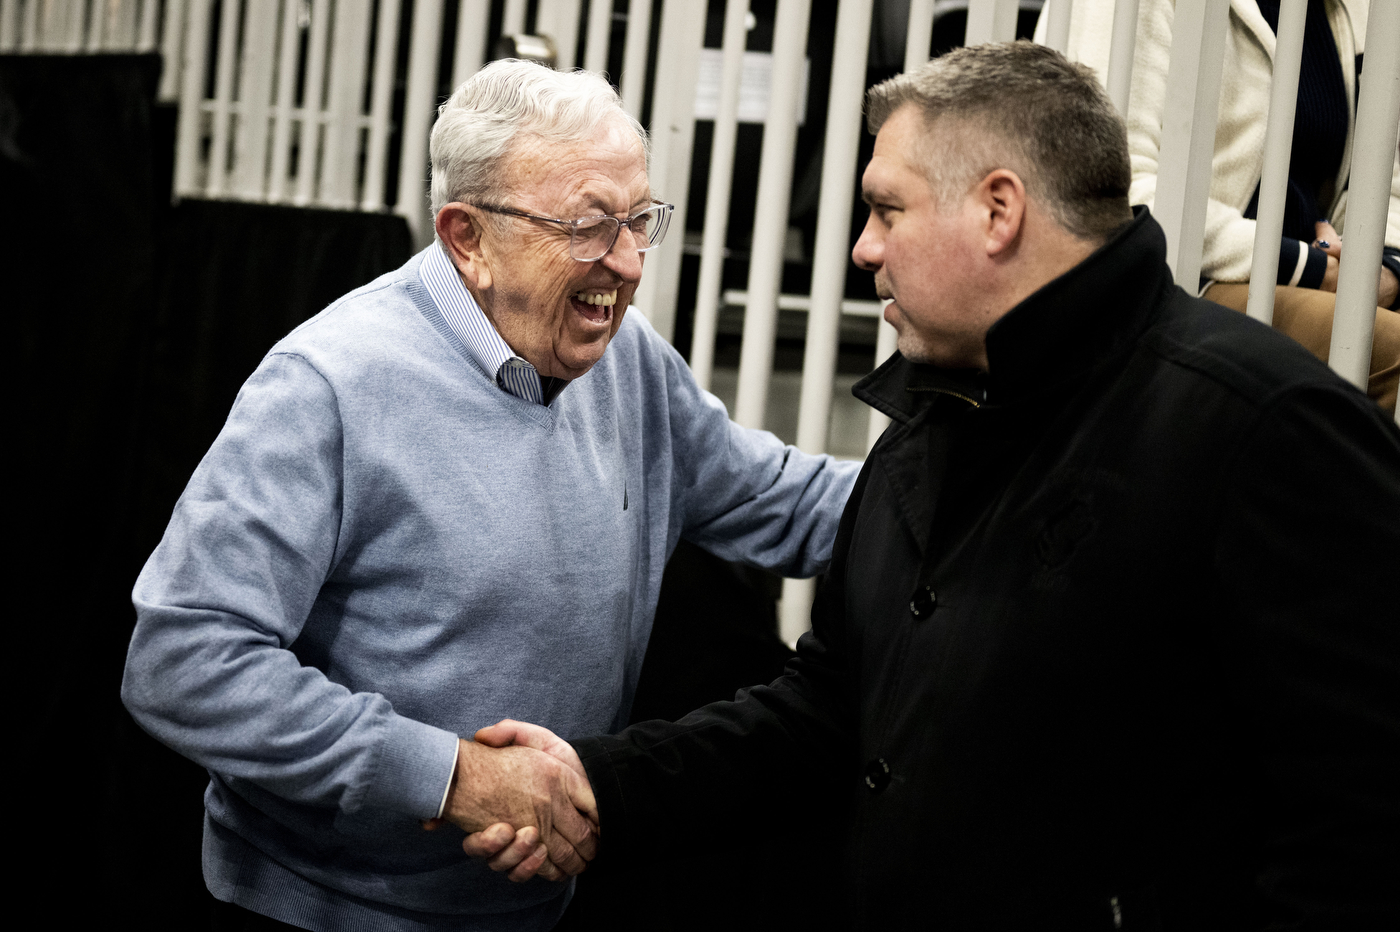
466	319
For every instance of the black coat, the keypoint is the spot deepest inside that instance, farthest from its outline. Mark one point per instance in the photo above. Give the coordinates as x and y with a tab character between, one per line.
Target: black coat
1109	639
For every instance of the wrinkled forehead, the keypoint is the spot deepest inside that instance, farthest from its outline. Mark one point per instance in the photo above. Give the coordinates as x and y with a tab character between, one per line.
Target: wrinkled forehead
607	171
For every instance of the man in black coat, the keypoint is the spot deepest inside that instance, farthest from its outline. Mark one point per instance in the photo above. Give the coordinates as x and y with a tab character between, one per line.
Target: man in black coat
1109	639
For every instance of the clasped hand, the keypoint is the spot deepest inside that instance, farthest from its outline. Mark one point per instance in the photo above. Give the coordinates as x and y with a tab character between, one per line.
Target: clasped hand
521	794
1330	242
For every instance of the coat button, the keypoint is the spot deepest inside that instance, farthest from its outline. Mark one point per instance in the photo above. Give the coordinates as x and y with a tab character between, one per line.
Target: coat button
923	602
877	775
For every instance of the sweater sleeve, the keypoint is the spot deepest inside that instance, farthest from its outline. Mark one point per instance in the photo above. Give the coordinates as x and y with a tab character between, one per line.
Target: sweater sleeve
209	671
743	494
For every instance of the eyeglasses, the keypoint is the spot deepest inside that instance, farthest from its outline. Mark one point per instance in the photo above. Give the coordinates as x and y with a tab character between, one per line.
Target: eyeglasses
591	238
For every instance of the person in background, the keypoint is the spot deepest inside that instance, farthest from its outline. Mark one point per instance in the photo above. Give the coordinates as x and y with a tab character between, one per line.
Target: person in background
1315	210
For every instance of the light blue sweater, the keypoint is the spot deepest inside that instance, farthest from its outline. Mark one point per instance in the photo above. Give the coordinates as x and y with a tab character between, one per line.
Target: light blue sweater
382	551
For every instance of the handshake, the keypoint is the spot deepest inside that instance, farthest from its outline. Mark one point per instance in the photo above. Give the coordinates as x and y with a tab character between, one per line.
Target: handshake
521	794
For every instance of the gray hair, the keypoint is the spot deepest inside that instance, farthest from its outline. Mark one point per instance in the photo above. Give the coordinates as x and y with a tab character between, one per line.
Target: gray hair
478	124
1023	107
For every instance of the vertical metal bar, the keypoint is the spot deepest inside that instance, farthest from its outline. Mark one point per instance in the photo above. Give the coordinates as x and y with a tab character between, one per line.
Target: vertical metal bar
9	25
340	158
312	94
1121	51
288	57
919	34
473	17
171	49
386	46
991	21
831	254
1278	148
673	142
191	113
216	184
1188	133
634	57
1373	159
595	51
123	26
771	211
99	15
558	19
420	105
254	93
146	27
717	192
513	17
916	47
1057	28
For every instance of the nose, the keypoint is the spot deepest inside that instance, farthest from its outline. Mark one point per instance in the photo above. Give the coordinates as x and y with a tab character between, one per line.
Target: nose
623	259
869	251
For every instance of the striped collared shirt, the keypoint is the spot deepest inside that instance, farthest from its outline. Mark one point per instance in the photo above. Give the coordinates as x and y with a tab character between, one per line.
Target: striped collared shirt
472	327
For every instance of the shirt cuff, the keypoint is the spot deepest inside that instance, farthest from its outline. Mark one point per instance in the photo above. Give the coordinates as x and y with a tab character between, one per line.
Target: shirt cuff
442	806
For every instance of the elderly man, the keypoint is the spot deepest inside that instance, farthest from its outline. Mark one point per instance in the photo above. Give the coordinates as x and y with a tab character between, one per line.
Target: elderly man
448	498
1109	638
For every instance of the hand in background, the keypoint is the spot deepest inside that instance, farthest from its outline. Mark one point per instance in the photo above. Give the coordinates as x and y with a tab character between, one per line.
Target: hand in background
514	784
1330	242
519	852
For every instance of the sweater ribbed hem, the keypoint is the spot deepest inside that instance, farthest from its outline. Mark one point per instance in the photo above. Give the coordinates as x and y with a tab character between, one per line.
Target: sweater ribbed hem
269	889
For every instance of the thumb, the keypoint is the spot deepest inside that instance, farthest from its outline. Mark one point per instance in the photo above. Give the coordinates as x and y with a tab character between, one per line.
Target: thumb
502	734
581	797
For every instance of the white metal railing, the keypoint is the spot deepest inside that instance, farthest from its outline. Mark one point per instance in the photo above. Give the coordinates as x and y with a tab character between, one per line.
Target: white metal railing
297	110
88	26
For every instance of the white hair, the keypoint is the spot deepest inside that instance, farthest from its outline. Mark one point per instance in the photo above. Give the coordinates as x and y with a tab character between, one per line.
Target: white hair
479	122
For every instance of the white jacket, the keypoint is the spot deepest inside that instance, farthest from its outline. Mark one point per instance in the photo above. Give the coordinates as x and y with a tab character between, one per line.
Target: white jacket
1243	115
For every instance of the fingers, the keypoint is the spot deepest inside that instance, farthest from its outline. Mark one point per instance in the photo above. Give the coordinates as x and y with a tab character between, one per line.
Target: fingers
493	840
508	731
577	839
583	802
1328	239
518	853
500	735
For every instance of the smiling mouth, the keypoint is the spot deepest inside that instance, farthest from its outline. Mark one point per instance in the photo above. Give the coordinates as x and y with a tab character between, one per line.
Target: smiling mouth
595	306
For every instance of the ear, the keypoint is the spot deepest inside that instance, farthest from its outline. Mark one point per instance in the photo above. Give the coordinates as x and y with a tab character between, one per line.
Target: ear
459	226
1001	196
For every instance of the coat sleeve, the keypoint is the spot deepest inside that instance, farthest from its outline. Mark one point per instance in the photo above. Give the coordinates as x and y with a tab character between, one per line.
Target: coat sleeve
250	543
792	741
1309	557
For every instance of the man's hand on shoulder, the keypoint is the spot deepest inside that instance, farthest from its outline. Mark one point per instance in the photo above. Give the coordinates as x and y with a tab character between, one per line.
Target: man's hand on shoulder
521	794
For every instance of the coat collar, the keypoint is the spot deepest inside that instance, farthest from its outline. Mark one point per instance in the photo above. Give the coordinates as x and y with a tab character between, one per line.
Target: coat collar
1054	337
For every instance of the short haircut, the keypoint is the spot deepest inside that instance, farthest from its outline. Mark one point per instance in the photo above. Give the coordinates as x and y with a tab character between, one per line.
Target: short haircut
478	125
1026	108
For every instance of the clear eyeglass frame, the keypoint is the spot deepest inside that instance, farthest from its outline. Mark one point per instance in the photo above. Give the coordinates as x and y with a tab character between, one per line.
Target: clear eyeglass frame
592	238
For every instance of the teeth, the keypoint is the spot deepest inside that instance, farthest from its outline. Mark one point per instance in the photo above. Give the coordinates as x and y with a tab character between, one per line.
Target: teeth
603	300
